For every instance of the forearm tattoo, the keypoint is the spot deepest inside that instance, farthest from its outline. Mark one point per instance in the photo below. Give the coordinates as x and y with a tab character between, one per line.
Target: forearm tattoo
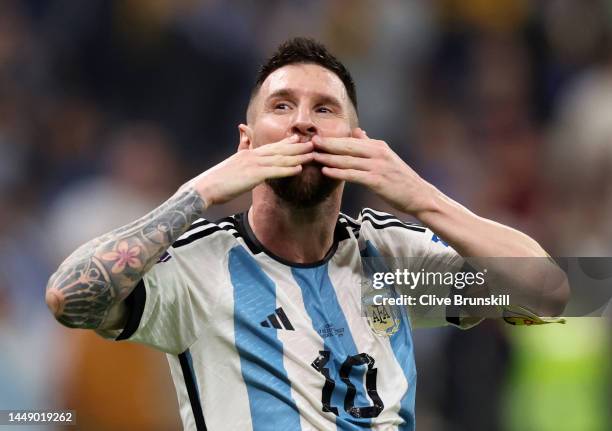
105	270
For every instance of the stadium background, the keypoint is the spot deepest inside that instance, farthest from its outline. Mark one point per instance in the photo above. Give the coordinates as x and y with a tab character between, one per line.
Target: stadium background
107	106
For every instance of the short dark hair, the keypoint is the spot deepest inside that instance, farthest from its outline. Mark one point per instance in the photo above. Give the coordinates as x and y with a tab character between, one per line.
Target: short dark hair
306	50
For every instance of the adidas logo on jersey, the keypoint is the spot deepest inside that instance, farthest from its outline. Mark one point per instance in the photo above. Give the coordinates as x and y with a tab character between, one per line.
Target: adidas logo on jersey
278	320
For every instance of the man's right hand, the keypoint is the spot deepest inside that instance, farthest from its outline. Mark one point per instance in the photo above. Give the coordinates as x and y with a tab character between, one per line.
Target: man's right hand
250	167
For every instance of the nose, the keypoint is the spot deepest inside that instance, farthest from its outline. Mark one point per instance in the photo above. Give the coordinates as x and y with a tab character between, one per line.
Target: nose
303	124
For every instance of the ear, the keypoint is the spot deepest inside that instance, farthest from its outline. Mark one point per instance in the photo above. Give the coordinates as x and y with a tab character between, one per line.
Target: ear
245	137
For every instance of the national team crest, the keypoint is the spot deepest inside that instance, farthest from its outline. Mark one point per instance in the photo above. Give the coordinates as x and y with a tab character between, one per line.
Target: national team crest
382	319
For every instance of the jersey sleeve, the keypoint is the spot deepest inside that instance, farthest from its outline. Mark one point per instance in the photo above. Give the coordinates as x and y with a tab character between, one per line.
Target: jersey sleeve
415	248
174	300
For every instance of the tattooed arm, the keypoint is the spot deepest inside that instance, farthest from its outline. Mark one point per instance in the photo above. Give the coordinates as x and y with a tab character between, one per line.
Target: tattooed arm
88	288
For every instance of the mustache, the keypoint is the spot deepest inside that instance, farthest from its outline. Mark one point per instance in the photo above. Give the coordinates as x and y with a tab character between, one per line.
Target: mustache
305	137
314	164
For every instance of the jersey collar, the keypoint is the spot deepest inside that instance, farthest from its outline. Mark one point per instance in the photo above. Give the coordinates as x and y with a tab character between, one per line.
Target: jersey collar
242	223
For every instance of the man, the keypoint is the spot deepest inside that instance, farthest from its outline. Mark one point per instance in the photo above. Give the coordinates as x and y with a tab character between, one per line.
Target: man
260	313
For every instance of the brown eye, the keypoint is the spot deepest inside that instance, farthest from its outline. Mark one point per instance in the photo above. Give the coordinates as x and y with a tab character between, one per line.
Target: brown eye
324	110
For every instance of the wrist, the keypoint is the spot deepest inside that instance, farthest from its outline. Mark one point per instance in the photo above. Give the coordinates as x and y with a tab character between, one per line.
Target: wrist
205	194
200	188
428	202
190	188
440	210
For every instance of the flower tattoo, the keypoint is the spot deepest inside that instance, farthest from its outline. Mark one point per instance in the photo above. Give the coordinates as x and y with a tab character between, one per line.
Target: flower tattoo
123	256
103	271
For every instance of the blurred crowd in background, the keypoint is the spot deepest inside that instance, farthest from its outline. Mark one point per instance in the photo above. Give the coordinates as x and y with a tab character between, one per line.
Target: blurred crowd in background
106	107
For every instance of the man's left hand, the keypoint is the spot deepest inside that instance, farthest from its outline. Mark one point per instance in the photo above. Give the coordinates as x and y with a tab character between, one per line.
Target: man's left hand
370	162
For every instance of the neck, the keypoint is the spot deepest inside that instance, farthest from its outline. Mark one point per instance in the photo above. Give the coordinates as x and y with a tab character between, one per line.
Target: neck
300	235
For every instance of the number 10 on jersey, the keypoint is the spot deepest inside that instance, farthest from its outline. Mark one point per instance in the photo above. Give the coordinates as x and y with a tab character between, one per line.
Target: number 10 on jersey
349	400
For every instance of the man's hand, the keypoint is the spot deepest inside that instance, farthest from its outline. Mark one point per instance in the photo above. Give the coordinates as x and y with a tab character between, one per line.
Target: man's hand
372	163
250	167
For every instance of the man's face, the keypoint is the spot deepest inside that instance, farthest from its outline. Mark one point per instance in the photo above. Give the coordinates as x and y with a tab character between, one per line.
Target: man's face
307	100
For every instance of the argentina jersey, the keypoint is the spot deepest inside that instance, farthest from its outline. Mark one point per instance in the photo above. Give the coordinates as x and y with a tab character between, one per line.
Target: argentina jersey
258	343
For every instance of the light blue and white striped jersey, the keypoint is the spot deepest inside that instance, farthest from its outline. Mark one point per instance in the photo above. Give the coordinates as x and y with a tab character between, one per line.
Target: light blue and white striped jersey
258	343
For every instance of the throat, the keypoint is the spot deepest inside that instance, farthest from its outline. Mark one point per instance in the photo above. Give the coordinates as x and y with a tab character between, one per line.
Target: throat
294	236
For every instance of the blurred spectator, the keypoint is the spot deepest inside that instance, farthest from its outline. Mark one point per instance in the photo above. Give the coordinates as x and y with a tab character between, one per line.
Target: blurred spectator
141	171
580	154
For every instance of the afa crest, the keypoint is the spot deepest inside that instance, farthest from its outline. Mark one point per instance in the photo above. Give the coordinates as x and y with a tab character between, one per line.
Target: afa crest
382	319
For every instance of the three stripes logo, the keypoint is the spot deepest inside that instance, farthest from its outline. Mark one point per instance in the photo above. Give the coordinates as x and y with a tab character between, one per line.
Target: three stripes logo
278	320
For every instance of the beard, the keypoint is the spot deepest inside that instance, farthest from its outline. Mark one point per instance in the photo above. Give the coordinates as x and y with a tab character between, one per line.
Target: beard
305	190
